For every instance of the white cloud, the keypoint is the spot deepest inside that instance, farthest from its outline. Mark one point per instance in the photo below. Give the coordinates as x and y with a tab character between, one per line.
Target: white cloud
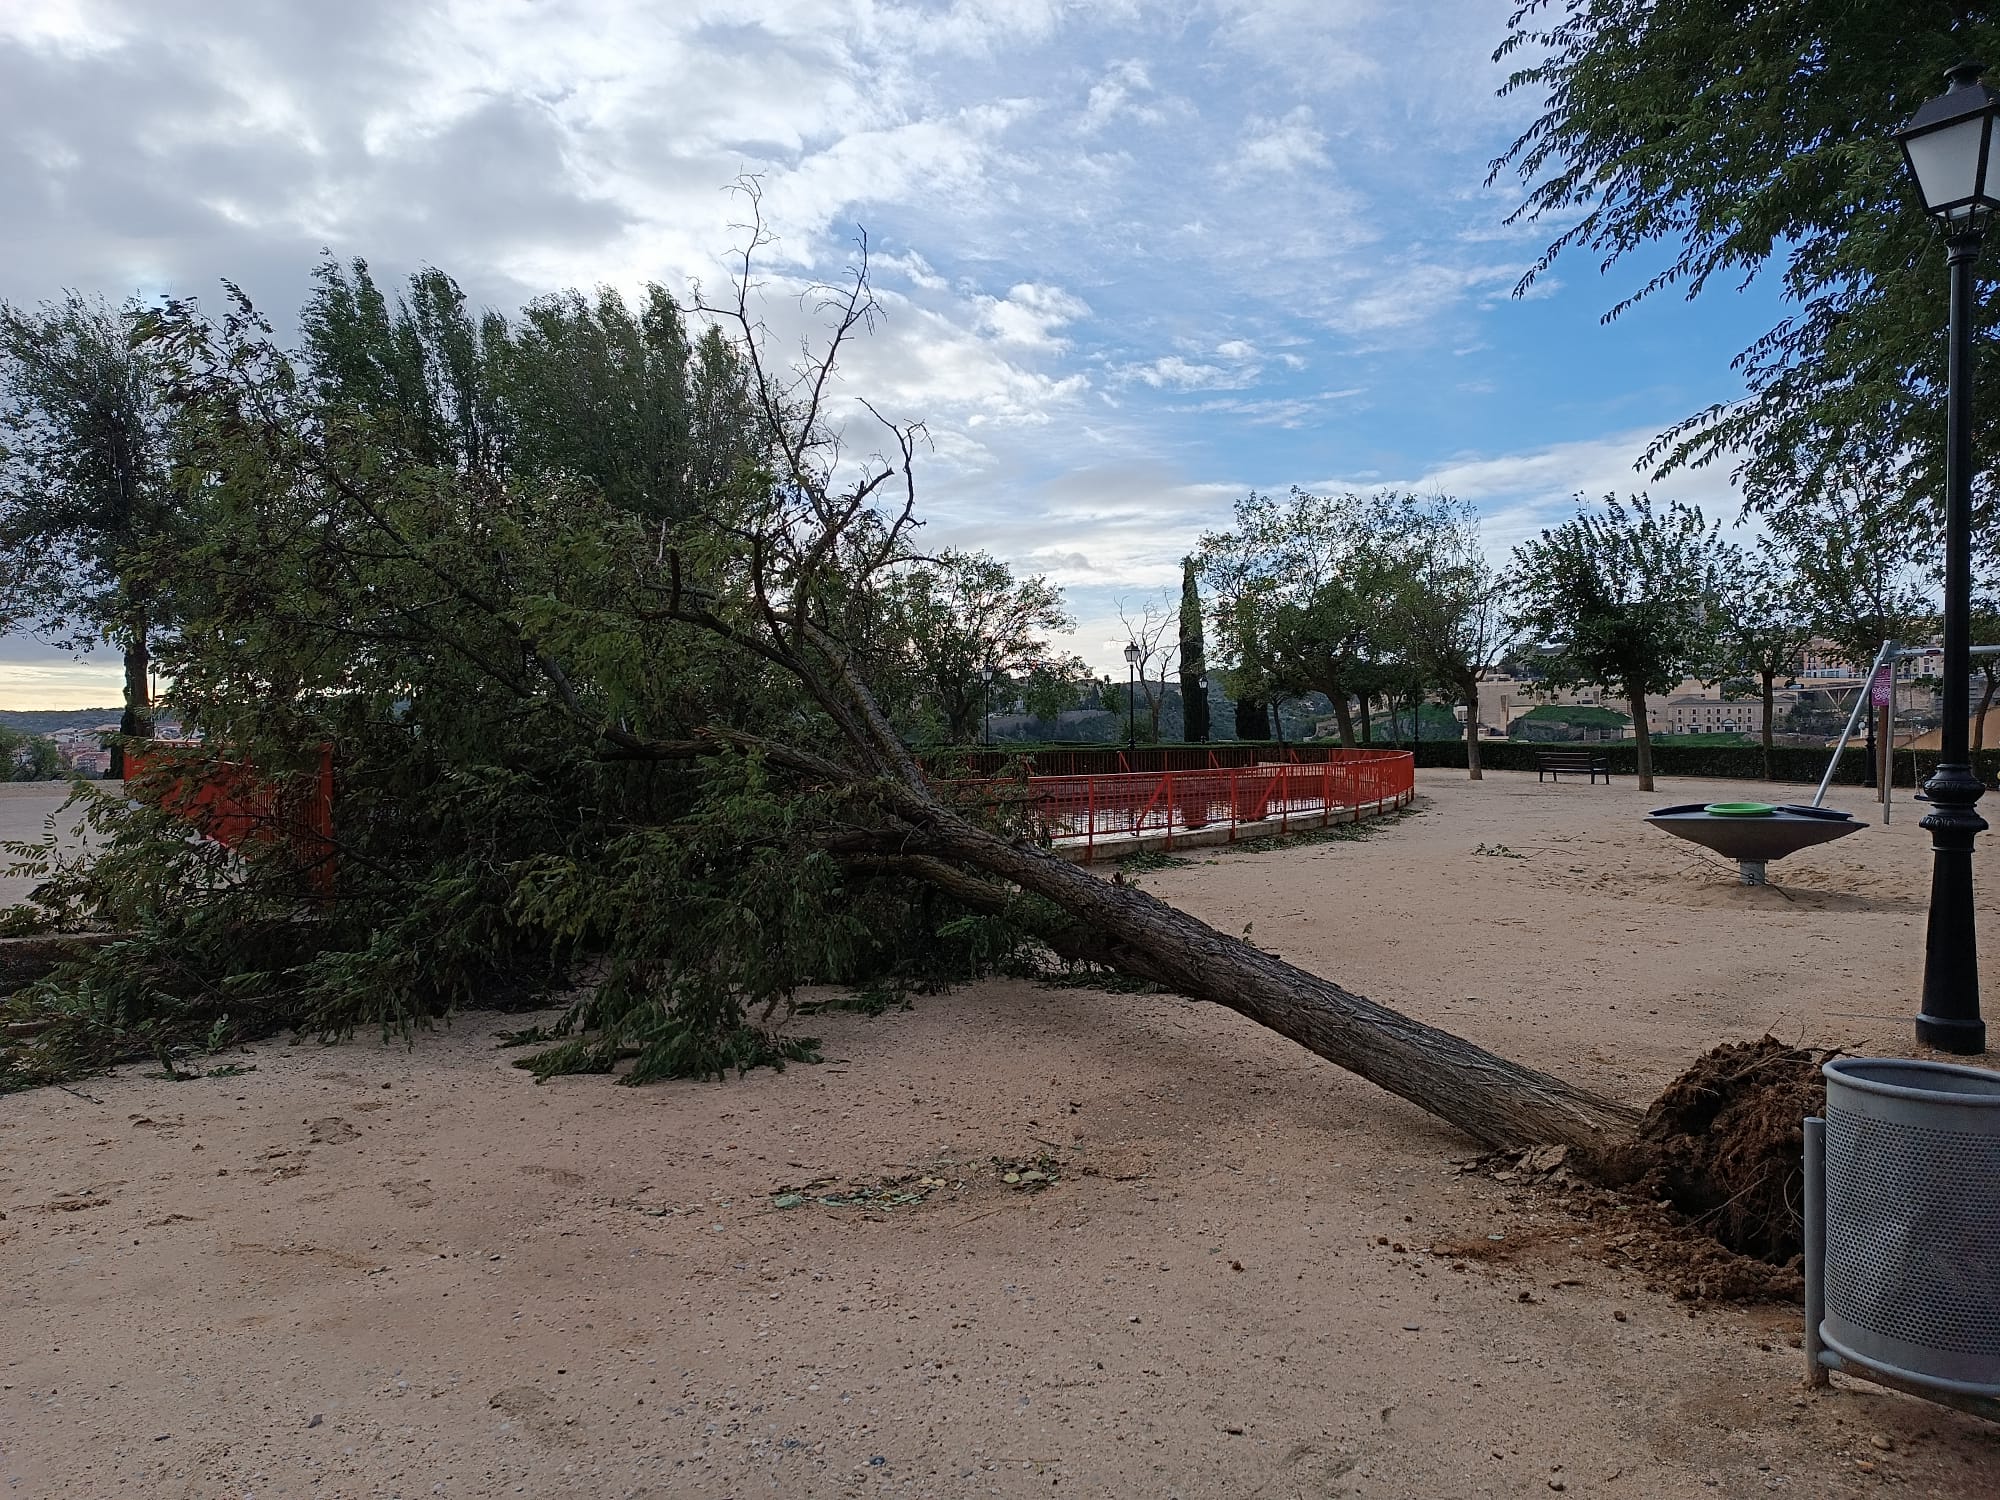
1171	372
1278	411
1519	493
1116	95
62	682
1283	146
1109	239
1029	315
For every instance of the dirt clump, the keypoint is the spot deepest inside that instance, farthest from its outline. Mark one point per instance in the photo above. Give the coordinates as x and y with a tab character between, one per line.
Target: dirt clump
1725	1143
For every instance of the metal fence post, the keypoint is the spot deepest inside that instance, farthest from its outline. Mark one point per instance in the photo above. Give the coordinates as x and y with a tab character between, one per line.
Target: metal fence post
1815	1247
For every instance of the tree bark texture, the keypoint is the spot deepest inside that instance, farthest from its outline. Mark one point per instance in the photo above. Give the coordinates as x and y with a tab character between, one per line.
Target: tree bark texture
1343	715
1471	691
1637	702
137	718
1500	1103
1770	697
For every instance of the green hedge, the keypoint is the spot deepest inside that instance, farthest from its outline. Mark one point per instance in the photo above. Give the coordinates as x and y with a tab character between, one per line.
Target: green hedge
1792	763
1110	760
1713	762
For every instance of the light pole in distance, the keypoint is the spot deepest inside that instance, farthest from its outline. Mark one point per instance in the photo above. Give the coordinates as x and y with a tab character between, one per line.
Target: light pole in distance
1131	696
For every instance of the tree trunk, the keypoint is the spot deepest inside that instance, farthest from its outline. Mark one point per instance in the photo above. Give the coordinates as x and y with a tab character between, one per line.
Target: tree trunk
1471	690
1194	707
1367	723
137	719
1343	715
1500	1103
1637	703
1985	702
1770	771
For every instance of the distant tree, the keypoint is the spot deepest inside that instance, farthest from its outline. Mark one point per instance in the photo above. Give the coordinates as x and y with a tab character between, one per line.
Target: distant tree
1047	687
1448	603
1194	656
85	486
29	757
1625	598
1152	626
1851	548
960	615
1765	626
584	387
1304	589
1985	622
1246	677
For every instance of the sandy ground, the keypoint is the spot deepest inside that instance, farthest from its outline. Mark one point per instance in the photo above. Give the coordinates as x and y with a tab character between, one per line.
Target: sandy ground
376	1271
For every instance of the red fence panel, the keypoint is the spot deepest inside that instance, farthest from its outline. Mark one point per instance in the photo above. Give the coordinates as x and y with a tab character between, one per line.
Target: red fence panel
233	803
1090	811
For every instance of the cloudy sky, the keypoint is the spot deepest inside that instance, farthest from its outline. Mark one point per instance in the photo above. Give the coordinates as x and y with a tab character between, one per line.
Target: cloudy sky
1136	258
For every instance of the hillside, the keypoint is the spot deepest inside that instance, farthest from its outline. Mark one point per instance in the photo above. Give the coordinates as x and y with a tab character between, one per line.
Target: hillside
54	720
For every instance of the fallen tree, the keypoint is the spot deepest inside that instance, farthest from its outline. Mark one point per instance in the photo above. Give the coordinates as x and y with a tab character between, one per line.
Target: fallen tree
691	786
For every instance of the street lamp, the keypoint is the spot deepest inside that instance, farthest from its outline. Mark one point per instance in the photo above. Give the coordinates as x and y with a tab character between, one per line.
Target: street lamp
986	703
1131	695
1948	147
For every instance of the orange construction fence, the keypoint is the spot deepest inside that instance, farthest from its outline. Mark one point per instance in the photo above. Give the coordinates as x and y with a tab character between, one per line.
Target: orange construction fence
1117	810
233	803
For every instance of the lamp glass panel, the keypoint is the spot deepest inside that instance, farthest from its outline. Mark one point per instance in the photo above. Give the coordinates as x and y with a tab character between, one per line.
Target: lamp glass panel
1946	162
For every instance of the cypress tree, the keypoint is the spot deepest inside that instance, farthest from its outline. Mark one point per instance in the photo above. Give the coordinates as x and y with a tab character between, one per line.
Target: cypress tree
1194	669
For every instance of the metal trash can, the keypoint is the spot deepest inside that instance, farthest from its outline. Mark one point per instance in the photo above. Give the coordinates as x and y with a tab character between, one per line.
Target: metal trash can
1912	1221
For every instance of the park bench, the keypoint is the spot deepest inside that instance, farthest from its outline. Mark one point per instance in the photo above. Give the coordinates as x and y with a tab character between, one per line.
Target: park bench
1552	763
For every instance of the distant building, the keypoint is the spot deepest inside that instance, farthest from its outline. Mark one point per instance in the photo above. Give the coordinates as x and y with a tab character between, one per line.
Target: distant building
1825	663
1704	713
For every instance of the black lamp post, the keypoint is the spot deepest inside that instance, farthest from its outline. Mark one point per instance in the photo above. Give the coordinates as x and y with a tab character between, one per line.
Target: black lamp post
1948	146
1132	696
986	704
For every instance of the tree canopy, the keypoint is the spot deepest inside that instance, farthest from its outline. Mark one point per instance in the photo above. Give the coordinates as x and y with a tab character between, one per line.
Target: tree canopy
1448	615
1744	139
964	622
1193	656
1765	625
1625	596
1303	589
86	484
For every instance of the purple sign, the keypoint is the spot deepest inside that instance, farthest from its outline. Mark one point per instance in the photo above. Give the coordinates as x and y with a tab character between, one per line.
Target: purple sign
1884	685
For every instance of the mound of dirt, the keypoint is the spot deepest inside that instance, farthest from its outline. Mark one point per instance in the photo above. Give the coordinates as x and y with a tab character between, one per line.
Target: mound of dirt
1725	1144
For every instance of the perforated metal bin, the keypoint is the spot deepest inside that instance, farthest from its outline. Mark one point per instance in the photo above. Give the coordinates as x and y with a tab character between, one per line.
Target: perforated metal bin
1908	1224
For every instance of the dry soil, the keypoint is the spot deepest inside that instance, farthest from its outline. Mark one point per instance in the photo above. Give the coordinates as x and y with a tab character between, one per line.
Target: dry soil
372	1270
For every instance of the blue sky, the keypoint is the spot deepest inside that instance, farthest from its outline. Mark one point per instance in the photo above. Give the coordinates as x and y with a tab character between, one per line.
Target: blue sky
1135	258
